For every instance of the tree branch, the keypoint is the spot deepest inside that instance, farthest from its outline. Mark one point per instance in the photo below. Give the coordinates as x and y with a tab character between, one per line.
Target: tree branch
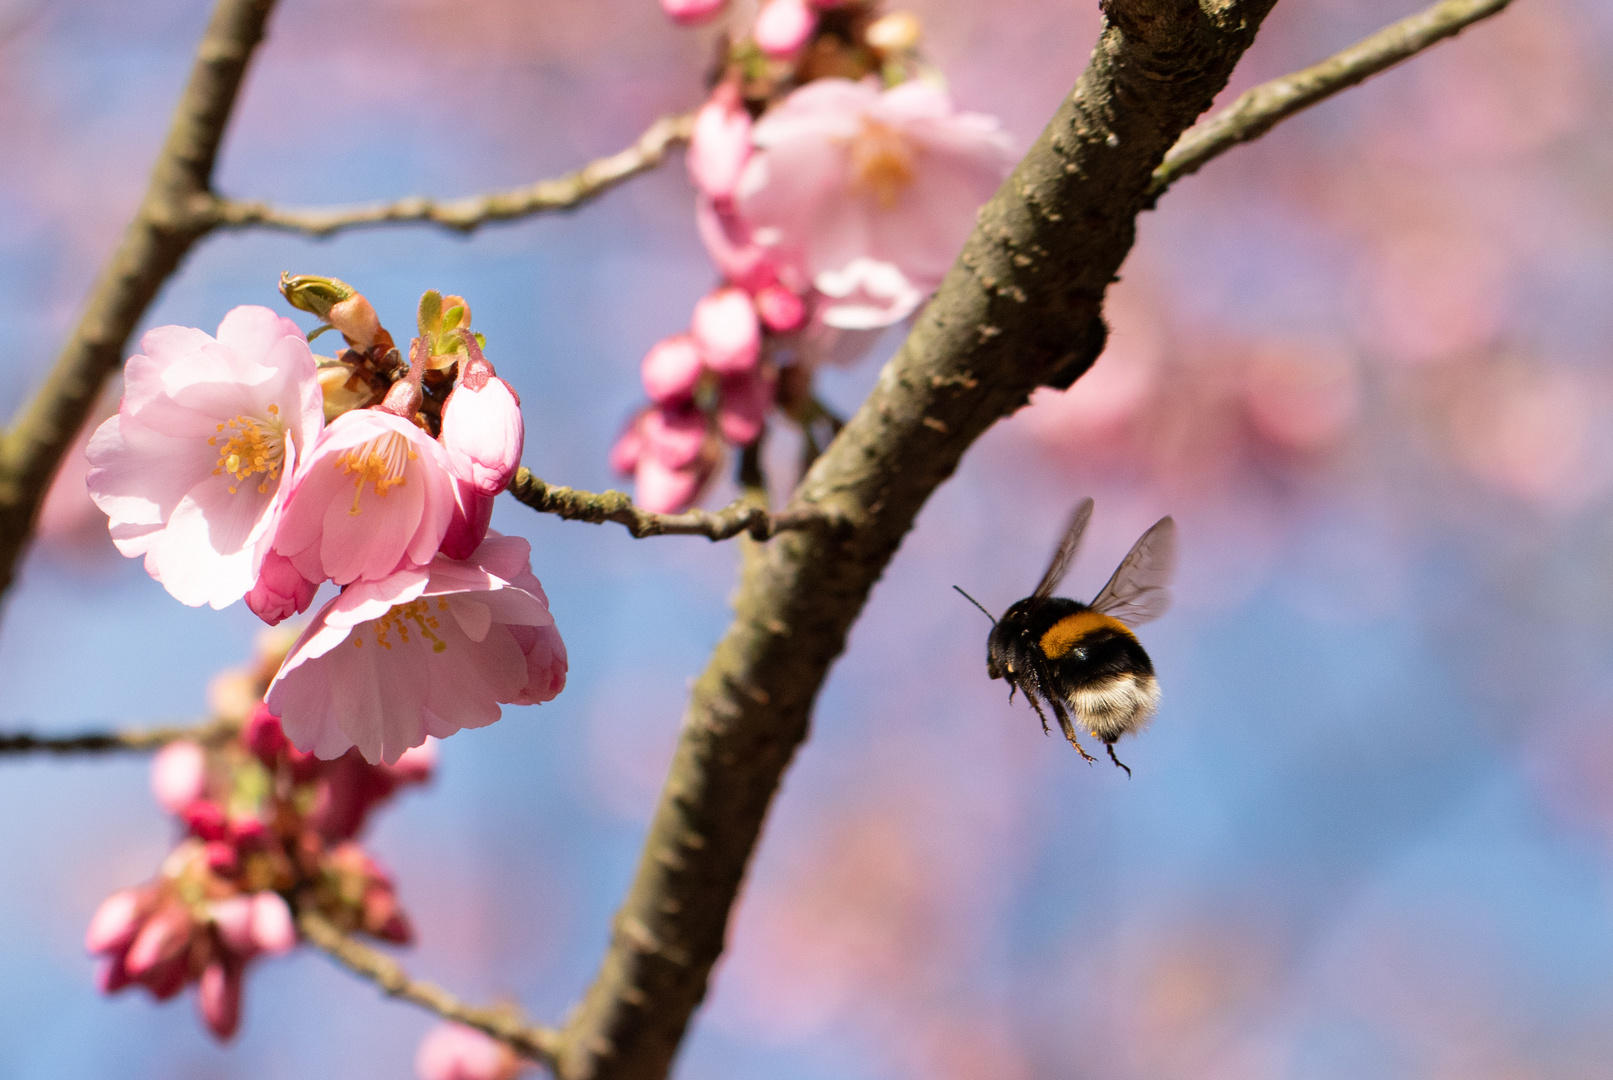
101	742
536	1043
1259	110
737	517
162	232
468	214
1020	309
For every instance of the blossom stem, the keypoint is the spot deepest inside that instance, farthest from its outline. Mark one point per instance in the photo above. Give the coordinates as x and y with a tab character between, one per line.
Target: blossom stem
468	214
1259	110
537	1043
102	742
740	516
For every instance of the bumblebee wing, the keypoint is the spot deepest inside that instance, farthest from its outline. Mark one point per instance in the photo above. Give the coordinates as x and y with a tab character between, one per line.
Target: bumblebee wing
1138	592
1066	551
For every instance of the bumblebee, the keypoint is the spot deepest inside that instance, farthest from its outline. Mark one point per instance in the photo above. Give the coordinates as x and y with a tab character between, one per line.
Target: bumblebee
1083	658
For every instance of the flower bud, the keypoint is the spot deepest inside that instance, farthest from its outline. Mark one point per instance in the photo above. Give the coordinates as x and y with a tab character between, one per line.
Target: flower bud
724	326
897	32
340	305
720	143
780	310
116	921
179	775
280	591
218	998
457	1052
205	819
232	917
692	12
743	406
273	931
263	734
482	429
342	387
163	938
467	528
221	857
783	26
671	369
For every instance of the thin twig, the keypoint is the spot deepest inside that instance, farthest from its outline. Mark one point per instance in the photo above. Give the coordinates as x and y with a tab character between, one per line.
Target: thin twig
530	1041
1257	111
163	230
470	213
737	517
104	742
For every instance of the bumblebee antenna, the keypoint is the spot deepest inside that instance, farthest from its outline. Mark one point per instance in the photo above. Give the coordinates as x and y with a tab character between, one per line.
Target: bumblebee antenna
977	604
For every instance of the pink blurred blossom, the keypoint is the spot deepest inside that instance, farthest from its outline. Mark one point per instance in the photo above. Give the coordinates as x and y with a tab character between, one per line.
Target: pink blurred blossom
849	180
671	455
692	12
783	26
196	468
719	146
725	328
426	651
179	775
218	998
376	496
781	310
457	1052
671	369
482	429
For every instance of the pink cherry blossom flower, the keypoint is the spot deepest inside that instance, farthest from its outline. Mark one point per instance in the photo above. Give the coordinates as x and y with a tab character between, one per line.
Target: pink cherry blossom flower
742	260
424	651
691	12
196	468
672	369
179	775
482	429
725	327
457	1052
473	512
844	172
374	497
783	26
719	146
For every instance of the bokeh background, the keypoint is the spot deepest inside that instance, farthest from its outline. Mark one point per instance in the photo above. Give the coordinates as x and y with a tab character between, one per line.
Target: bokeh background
1365	362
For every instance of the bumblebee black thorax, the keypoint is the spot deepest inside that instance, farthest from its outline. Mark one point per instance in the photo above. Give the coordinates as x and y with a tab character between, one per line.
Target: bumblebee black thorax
1062	634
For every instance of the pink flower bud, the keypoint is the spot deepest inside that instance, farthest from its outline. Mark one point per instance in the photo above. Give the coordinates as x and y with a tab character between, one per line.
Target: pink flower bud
783	26
662	489
218	998
221	857
281	591
116	921
720	144
248	832
232	917
482	430
725	327
273	931
780	309
179	775
692	12
456	1052
204	819
629	446
673	437
743	407
163	938
671	369
112	976
168	978
417	763
263	735
473	512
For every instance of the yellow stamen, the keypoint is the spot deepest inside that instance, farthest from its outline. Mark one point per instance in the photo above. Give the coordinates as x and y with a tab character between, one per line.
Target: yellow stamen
400	617
382	461
882	161
252	447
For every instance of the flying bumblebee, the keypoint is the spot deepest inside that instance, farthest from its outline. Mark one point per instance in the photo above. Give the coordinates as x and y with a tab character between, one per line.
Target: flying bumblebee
1083	658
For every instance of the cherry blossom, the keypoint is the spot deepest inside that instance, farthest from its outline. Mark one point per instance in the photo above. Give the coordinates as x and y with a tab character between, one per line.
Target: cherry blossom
457	1052
424	651
375	496
482	429
720	145
195	470
871	191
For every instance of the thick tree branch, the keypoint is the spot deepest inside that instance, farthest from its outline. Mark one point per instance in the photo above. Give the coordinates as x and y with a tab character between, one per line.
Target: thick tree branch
103	742
162	232
1259	110
740	516
536	1043
1019	310
470	213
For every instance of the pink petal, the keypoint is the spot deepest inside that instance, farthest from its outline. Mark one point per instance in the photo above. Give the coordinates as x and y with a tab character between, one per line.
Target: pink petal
720	144
783	26
179	775
692	12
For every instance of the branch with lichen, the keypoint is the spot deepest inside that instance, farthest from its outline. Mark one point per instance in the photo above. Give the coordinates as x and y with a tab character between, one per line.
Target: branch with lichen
506	1025
109	742
164	229
1259	110
742	516
468	214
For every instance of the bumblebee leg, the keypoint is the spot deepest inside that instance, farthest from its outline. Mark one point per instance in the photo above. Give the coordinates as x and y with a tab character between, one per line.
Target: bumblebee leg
1109	746
1032	699
1069	729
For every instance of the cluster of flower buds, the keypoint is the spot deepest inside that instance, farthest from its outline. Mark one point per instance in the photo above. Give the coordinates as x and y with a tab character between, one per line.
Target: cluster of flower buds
242	466
836	184
263	824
